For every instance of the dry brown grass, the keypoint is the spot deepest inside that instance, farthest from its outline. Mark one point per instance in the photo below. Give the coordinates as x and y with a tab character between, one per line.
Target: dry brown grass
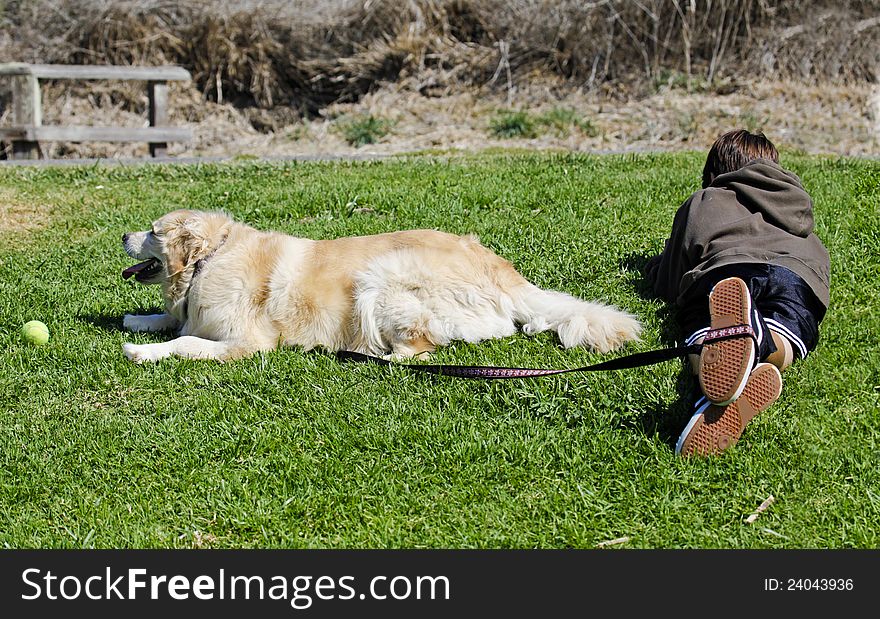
271	63
309	54
19	217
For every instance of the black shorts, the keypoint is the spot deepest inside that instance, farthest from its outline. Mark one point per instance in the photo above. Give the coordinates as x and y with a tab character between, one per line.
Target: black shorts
784	303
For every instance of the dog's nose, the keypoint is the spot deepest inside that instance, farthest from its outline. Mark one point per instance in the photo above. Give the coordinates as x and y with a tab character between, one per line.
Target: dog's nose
124	238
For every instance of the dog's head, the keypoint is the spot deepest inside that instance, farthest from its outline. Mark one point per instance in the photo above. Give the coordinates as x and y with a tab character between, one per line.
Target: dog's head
173	245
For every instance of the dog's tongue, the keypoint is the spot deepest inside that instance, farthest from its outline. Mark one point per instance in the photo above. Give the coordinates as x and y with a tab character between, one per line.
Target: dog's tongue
140	266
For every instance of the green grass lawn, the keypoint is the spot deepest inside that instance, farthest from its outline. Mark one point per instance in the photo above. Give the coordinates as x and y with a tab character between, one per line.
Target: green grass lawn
294	449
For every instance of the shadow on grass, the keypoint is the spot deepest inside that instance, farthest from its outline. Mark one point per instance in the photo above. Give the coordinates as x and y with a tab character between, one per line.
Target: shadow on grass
635	263
667	421
664	421
666	314
107	323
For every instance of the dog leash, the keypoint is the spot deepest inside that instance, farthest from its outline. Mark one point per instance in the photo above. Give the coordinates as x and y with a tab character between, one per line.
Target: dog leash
634	360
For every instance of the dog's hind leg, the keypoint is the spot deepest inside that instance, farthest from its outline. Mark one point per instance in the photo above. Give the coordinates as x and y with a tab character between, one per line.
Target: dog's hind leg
189	347
418	346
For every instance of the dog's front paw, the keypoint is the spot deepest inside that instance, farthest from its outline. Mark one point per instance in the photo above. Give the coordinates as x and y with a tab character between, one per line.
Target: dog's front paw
149	322
131	323
137	352
137	323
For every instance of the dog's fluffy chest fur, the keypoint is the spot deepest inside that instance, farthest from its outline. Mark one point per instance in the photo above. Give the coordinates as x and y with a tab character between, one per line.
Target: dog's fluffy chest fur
252	290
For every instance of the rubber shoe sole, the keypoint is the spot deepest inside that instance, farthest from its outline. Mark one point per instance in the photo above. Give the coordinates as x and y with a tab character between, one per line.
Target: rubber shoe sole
712	429
725	365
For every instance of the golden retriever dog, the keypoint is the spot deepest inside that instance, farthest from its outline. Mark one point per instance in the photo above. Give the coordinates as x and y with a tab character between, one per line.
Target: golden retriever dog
231	290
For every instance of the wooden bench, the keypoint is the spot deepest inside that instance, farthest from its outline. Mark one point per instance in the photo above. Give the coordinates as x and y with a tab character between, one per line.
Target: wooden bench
27	129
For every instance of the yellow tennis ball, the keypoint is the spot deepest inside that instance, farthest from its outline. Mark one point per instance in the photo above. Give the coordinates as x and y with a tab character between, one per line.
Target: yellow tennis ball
35	332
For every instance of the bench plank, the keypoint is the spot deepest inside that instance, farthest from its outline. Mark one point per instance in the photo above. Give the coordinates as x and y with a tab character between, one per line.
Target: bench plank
74	133
27	132
96	72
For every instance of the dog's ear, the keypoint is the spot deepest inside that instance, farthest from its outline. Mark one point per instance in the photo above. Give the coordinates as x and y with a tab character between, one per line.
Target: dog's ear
177	253
198	235
192	235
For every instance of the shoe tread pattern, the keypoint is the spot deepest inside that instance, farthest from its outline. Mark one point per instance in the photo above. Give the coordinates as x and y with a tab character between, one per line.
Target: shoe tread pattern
725	365
721	426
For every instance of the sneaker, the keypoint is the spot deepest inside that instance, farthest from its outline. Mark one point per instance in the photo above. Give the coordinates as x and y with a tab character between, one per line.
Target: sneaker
725	364
713	428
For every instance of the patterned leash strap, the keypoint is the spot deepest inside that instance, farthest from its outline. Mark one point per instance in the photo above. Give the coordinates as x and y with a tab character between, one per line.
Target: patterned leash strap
485	372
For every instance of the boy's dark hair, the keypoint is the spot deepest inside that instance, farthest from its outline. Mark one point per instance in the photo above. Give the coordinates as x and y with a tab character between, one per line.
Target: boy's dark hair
733	150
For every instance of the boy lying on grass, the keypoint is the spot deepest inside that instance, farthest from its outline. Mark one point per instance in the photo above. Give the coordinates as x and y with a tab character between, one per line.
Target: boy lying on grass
742	259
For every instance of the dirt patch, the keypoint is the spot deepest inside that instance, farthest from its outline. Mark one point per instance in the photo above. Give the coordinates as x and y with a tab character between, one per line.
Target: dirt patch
826	119
816	119
18	218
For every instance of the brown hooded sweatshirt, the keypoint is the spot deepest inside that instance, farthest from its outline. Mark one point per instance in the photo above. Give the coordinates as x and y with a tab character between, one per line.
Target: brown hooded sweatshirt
757	214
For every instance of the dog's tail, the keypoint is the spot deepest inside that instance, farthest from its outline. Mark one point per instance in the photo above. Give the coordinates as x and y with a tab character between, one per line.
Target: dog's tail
576	322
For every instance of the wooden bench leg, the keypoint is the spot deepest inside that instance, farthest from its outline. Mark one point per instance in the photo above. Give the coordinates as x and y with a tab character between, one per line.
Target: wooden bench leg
157	93
27	109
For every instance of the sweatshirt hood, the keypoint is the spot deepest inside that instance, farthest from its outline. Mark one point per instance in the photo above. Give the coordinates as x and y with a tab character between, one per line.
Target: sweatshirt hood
764	187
